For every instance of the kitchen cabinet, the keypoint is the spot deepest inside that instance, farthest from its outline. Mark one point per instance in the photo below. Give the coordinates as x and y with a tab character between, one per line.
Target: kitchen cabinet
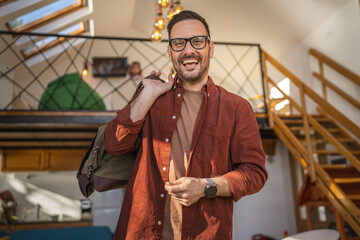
16	160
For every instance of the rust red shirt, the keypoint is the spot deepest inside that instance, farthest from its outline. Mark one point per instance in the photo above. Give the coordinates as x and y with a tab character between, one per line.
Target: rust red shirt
225	142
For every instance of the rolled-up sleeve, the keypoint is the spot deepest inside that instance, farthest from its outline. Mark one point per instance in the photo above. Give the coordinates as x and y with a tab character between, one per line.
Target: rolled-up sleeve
246	154
122	134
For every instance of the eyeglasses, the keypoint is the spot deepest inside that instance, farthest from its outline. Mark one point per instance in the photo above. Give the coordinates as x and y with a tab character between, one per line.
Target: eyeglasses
197	42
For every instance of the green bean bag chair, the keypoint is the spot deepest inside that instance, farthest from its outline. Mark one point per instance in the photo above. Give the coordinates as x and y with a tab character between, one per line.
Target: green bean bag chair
70	92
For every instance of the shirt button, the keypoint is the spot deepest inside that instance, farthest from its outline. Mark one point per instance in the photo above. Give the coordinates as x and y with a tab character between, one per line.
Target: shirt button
179	95
159	222
164	168
173	117
166	140
162	195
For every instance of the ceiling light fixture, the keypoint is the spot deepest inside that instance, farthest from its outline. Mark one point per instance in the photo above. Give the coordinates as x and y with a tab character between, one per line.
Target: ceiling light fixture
174	8
164	3
85	70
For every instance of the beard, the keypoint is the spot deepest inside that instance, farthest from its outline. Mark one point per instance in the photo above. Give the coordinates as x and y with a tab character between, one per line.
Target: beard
194	75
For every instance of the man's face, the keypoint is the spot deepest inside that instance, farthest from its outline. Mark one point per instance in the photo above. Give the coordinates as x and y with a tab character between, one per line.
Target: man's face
191	65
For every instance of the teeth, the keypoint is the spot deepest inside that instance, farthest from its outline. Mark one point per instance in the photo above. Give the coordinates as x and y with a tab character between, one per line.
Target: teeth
190	61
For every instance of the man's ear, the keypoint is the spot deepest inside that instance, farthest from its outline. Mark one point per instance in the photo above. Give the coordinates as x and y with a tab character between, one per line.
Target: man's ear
211	45
169	52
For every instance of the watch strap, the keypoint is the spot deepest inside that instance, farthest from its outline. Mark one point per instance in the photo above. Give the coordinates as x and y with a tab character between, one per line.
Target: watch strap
210	182
210	190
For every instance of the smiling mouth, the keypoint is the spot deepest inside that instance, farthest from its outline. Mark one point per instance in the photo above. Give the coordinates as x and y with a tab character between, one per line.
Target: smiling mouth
190	62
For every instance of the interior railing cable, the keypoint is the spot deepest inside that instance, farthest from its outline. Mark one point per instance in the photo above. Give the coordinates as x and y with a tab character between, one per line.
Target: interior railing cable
44	71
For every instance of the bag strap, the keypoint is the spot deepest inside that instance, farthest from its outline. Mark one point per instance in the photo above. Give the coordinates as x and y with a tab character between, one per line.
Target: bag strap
86	156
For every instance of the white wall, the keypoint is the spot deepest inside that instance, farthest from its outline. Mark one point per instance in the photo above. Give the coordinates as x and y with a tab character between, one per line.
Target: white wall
338	37
271	211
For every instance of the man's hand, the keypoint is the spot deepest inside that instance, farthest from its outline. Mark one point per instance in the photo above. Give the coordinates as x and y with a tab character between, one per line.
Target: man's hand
187	190
152	90
156	86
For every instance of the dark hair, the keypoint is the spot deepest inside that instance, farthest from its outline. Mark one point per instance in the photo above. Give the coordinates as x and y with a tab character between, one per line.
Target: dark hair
186	15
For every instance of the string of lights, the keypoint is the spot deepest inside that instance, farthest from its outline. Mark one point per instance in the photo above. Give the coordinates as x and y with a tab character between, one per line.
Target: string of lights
172	7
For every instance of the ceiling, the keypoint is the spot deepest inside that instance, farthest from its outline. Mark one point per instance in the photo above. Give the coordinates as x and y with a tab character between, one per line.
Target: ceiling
276	24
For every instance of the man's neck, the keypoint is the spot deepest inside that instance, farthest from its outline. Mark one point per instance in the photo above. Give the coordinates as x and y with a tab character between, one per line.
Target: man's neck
194	86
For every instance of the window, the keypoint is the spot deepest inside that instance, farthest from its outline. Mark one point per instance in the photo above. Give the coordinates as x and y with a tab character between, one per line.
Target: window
4	2
49	42
44	15
280	101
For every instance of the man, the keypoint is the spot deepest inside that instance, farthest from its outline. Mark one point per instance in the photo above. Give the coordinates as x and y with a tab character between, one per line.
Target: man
198	145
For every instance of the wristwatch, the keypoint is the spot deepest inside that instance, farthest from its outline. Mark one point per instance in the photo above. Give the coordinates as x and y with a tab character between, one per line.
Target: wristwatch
210	190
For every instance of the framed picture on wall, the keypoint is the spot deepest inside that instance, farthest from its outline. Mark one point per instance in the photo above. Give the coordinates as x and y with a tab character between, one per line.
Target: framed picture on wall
110	66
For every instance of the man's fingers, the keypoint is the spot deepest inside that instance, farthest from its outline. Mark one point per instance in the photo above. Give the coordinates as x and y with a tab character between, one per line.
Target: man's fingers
175	188
177	194
170	78
185	202
170	81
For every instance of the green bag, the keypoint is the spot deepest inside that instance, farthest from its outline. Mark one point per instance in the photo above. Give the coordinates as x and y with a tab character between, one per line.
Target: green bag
102	171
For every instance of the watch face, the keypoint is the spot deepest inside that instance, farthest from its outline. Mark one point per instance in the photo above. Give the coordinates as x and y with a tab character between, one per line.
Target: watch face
211	191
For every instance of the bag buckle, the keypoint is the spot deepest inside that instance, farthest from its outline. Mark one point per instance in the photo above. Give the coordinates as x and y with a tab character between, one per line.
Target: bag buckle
90	167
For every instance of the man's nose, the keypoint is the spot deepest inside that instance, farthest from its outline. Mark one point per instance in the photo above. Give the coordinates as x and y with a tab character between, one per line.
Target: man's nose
188	47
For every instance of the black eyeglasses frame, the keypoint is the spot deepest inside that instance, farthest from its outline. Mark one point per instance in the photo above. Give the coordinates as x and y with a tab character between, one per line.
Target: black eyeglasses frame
207	39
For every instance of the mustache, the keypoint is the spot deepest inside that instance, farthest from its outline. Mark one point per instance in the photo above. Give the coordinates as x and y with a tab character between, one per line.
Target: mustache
193	56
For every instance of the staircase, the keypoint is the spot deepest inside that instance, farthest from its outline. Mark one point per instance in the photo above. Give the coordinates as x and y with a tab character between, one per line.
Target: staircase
326	143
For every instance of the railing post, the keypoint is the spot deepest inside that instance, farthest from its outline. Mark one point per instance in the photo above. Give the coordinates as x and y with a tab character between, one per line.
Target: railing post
307	134
267	90
323	83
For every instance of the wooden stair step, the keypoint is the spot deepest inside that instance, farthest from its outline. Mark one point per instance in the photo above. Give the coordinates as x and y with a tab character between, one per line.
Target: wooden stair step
341	170
42	144
354	197
335	152
300	116
291	116
323	119
343	140
350	188
292	121
22	135
347	181
336	166
299	120
299	128
49	126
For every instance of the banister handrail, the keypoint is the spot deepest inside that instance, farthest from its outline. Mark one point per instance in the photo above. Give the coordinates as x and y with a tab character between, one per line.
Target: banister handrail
336	66
337	90
318	128
332	111
336	195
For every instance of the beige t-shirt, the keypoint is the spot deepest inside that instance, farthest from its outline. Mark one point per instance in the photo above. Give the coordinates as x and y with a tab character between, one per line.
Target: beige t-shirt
179	155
